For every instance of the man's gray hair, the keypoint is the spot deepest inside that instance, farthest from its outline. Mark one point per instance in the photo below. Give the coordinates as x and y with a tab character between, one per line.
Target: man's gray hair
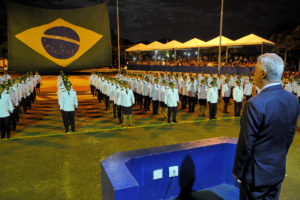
273	65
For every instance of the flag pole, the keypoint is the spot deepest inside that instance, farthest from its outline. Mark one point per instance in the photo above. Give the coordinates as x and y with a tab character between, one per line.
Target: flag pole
220	41
119	62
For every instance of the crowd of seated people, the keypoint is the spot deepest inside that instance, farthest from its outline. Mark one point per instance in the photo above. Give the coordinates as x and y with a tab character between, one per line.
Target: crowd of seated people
211	61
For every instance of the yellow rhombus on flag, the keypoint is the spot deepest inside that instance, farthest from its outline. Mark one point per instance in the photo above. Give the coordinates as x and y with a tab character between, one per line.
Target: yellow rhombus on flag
59	41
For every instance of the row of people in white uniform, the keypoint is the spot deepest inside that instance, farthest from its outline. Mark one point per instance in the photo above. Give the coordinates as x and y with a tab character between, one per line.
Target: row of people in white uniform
190	90
156	92
67	101
16	94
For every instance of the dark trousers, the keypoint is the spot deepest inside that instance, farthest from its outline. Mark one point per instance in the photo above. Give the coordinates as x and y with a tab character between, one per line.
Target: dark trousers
14	117
99	96
147	101
92	90
5	127
32	97
172	111
119	110
106	102
248	97
69	119
155	107
115	110
248	192
135	98
192	101
183	101
26	104
237	108
212	110
140	100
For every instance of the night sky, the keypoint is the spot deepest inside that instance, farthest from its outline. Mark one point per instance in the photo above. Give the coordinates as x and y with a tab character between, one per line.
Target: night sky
149	20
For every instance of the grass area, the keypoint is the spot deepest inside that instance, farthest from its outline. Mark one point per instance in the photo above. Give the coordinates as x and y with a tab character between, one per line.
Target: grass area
42	162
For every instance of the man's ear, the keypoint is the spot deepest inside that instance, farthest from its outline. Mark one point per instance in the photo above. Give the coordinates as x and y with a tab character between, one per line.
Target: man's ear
264	74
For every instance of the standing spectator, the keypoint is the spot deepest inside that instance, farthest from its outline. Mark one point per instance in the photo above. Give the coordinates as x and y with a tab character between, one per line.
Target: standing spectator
267	130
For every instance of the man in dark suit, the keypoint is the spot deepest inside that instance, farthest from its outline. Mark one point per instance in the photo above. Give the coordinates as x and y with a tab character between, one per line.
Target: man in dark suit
267	130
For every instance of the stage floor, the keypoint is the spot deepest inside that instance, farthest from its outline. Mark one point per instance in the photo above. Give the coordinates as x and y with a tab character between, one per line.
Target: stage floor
42	162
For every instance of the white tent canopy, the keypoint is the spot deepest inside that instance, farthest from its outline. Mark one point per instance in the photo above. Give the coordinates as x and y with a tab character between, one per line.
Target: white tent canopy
136	47
215	42
193	43
153	46
251	40
171	45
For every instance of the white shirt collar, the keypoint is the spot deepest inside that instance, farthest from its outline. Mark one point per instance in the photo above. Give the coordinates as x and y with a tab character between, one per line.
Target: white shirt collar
269	85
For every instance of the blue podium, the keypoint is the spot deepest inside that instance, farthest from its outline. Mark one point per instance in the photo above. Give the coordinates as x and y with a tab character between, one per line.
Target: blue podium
201	168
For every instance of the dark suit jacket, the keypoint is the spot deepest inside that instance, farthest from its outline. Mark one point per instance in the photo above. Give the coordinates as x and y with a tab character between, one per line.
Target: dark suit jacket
268	125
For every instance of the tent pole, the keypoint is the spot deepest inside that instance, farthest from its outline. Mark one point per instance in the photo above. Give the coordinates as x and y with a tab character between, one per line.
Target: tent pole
139	56
125	57
174	55
285	55
198	55
220	42
262	48
226	54
119	56
155	55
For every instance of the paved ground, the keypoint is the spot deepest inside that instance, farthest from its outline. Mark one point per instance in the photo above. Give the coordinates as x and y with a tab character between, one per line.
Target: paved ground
41	162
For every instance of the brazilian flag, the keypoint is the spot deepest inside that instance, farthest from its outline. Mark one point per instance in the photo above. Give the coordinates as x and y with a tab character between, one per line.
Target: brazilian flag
48	40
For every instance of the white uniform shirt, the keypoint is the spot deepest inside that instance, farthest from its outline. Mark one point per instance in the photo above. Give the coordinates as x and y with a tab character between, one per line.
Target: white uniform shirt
112	92
68	101
238	94
212	95
38	78
117	94
13	97
298	91
202	92
226	90
154	92
6	106
162	93
183	87
146	89
126	98
288	87
248	89
172	97
140	86
294	86
191	90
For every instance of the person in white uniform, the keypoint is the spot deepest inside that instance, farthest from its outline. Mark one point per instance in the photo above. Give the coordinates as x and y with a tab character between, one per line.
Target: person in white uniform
202	96
126	99
6	108
68	106
238	96
212	99
172	100
155	95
